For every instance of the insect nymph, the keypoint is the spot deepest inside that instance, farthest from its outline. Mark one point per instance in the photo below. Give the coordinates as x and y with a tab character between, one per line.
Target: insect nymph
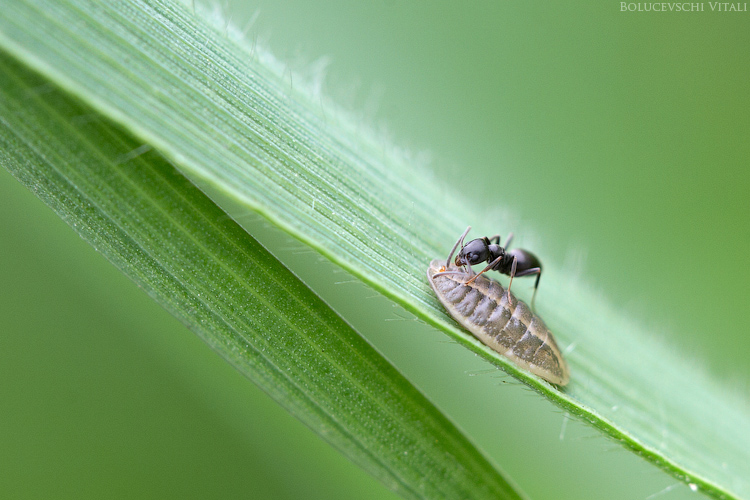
497	318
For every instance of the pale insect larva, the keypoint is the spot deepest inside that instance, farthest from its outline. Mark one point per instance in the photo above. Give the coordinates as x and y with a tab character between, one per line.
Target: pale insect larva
482	306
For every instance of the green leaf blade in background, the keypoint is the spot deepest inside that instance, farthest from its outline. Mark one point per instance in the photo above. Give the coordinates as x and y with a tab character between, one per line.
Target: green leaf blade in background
159	230
240	129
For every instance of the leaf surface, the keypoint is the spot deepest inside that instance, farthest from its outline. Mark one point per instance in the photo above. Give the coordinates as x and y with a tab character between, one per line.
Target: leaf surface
168	237
238	125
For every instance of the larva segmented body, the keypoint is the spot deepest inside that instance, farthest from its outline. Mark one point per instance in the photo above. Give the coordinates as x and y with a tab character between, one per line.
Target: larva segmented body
511	329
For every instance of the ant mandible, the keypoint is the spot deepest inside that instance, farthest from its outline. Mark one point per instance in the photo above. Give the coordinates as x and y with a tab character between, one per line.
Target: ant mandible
516	262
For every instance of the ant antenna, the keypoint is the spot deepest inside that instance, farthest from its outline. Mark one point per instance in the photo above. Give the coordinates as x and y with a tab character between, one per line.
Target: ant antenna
453	250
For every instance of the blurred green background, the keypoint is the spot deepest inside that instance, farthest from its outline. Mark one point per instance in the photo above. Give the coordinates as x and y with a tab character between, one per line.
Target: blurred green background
619	142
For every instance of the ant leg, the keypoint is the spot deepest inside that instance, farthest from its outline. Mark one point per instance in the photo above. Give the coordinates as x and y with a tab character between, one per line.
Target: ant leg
489	266
512	273
507	242
495	238
453	250
529	272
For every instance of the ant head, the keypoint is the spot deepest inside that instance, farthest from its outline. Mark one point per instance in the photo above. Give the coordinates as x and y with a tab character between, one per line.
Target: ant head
473	252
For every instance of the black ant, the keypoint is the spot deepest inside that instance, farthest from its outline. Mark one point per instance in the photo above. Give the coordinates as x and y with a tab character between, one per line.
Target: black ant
516	262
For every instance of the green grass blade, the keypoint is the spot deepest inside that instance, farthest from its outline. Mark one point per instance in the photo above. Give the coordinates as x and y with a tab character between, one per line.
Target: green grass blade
162	232
238	124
